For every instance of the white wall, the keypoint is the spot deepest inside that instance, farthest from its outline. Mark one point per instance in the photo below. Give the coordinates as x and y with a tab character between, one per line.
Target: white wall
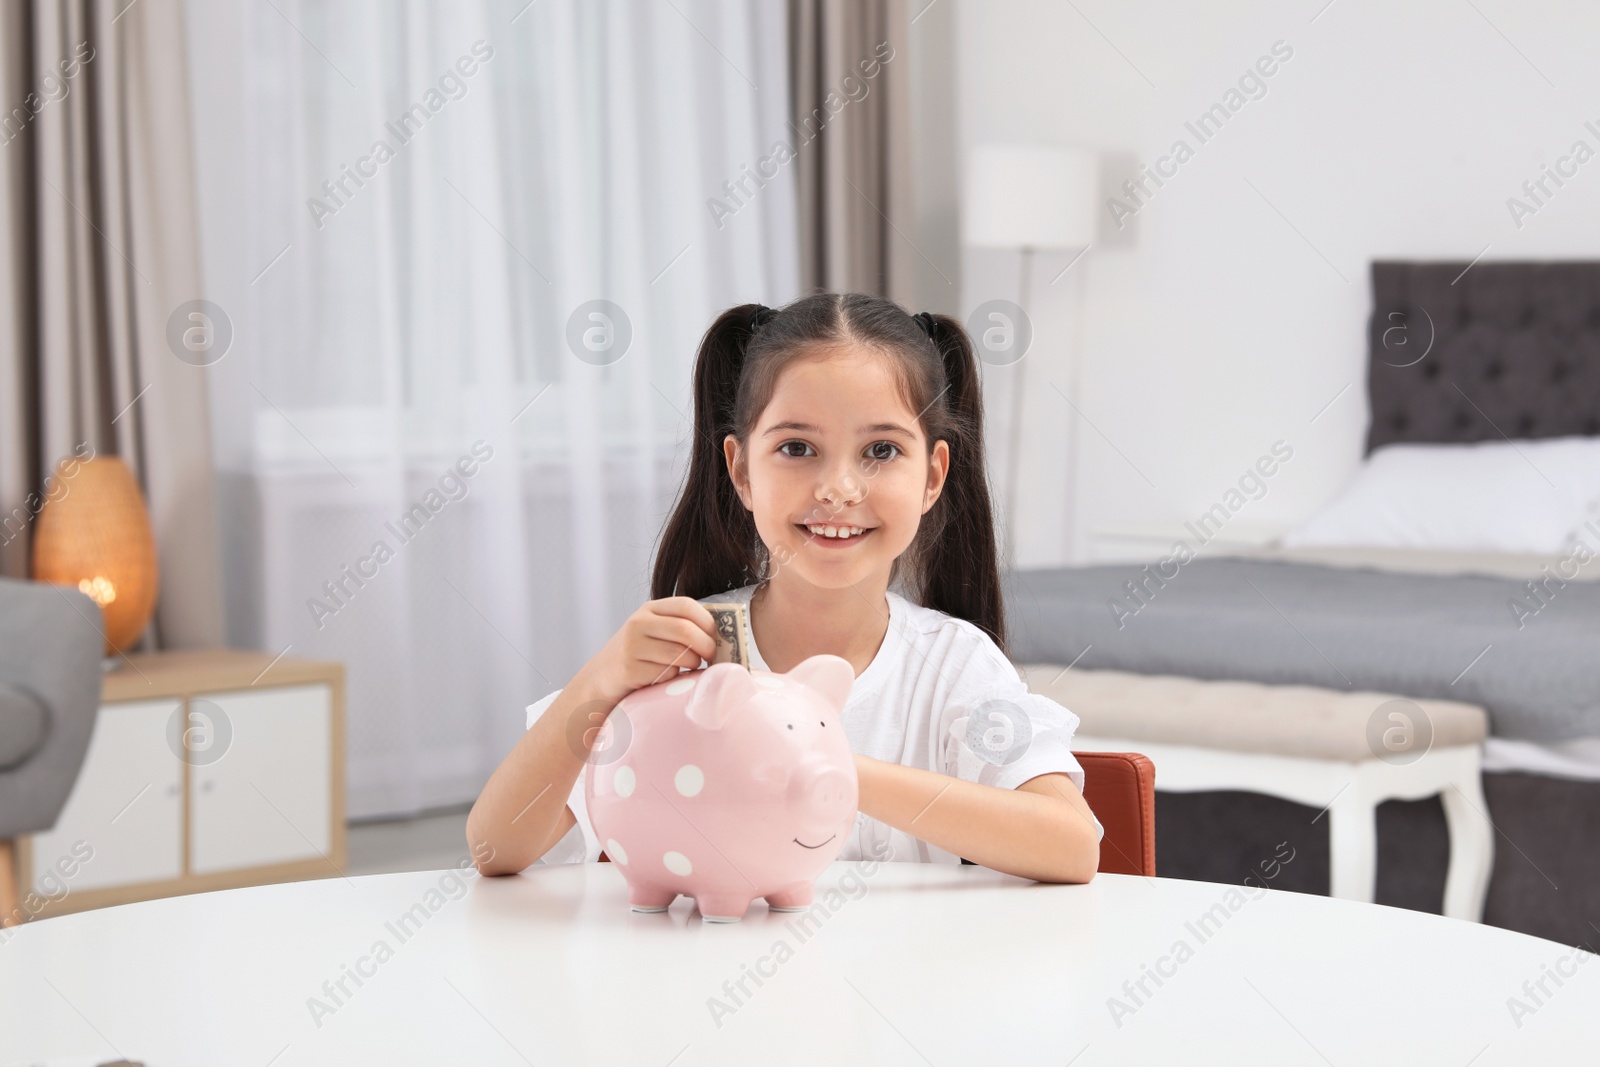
1396	130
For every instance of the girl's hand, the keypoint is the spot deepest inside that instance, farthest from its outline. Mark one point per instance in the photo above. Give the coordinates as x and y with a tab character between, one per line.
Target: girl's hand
658	639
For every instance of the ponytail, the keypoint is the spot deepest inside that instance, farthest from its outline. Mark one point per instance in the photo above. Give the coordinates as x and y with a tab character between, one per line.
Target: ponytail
954	559
710	543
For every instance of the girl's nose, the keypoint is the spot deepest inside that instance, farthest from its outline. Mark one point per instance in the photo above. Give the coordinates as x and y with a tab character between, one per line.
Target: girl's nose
842	488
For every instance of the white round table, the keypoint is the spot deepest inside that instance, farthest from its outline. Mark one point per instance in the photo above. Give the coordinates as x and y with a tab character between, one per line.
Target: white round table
902	963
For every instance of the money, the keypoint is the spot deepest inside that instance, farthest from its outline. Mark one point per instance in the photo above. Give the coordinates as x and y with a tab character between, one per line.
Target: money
733	632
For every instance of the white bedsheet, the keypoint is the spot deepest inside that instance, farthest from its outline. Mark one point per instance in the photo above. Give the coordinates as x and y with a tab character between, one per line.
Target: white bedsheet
1578	758
1433	561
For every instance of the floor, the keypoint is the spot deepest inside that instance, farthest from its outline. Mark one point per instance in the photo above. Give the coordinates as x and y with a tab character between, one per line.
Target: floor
431	841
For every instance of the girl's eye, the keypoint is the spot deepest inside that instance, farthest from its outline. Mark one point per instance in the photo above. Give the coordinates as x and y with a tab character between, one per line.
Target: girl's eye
882	451
787	445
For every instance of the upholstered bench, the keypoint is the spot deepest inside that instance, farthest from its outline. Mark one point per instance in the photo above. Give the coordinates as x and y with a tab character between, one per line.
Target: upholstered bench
1342	752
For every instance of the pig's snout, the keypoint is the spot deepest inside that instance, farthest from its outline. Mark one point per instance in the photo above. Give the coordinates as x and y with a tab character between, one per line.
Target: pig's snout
825	798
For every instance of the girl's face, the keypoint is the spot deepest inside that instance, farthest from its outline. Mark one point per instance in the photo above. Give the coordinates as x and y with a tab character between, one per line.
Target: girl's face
837	450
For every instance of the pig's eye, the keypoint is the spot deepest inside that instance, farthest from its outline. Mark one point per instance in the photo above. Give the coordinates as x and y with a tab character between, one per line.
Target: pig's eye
791	726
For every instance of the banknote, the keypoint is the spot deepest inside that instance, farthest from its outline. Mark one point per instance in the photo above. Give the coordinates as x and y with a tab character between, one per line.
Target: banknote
733	632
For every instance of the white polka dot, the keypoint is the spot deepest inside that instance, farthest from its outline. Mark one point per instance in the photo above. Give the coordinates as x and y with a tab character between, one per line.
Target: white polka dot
682	685
771	681
623	781
678	864
614	851
689	780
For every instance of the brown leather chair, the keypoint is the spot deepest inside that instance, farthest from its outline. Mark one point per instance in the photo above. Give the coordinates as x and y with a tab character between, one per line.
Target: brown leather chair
1121	790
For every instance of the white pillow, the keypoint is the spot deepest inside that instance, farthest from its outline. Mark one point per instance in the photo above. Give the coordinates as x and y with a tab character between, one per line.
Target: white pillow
1494	496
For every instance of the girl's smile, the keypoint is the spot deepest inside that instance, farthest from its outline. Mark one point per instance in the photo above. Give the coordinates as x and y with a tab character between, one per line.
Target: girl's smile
841	533
835	537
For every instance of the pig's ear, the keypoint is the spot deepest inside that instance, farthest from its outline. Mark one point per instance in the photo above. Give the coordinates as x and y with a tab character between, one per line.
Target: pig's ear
720	689
831	676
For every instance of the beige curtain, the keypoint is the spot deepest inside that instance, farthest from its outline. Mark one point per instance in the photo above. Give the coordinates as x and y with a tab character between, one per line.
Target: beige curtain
853	145
98	248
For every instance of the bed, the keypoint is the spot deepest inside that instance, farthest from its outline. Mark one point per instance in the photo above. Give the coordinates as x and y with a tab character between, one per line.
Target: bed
1502	360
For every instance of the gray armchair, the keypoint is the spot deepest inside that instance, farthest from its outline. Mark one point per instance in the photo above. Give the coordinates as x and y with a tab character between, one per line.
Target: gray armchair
50	645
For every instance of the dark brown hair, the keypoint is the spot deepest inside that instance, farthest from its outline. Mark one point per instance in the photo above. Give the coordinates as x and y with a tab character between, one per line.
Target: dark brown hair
710	544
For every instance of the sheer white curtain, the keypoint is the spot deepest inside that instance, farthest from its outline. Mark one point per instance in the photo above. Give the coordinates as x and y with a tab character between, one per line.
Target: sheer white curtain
402	317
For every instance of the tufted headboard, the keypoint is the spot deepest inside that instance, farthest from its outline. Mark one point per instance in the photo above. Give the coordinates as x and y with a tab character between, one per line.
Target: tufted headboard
1502	350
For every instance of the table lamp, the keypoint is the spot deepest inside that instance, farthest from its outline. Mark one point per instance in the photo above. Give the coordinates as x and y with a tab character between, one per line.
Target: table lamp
1030	197
96	537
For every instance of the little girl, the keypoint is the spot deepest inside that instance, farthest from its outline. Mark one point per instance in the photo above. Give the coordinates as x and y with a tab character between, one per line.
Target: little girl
838	450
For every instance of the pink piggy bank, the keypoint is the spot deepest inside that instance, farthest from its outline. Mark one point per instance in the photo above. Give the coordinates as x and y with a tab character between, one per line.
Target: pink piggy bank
726	784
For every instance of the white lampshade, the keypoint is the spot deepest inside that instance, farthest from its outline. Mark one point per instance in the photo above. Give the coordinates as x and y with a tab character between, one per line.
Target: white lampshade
1030	196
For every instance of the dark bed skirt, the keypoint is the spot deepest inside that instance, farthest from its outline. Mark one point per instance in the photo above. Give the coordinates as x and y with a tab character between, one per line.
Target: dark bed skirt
1546	878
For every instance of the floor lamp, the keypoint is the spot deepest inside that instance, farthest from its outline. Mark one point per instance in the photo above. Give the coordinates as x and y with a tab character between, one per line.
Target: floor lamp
1031	198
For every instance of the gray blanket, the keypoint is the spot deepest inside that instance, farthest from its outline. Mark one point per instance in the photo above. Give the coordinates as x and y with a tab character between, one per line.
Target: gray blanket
1529	653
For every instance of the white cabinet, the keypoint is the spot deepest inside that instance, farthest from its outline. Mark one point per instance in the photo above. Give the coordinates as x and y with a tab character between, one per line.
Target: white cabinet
266	799
125	814
207	769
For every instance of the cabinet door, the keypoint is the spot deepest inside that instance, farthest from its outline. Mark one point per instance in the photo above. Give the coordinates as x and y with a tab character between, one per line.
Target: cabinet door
126	808
267	796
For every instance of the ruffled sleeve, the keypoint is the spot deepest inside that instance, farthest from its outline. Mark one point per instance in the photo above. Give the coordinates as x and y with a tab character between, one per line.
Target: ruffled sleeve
995	732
